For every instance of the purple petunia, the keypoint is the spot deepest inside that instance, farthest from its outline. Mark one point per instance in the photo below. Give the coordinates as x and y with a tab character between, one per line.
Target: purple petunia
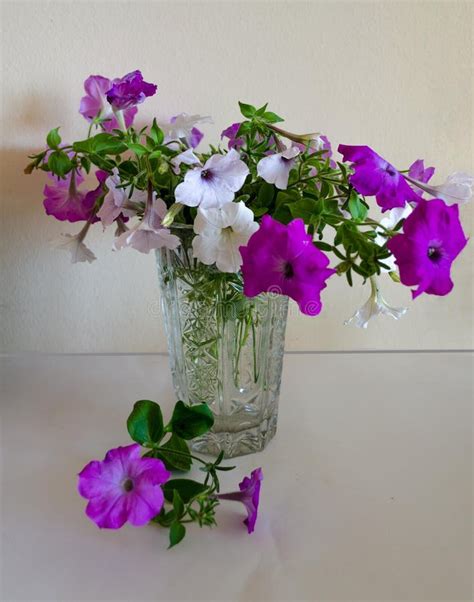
432	239
123	487
283	259
129	91
249	495
231	133
64	201
373	175
95	104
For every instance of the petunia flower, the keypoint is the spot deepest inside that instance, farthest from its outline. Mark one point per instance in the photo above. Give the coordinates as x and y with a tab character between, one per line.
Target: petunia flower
374	306
129	91
123	487
418	171
149	234
215	183
456	190
94	105
187	157
432	238
376	176
183	127
220	233
249	495
275	169
117	201
74	244
283	259
64	201
388	223
231	133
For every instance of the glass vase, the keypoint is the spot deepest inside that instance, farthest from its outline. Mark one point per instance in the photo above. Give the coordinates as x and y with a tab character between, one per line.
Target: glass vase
224	349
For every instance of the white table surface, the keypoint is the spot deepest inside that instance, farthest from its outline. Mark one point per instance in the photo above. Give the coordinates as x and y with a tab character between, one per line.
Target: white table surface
367	492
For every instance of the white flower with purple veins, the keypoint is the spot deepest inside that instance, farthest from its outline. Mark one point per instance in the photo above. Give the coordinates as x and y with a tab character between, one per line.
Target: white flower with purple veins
149	234
220	233
215	183
374	306
456	190
117	200
388	223
275	169
183	127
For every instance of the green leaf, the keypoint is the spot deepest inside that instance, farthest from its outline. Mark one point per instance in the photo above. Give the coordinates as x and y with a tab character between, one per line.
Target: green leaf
145	423
181	461
265	195
53	139
305	208
178	504
157	133
187	489
191	421
324	246
247	110
103	144
165	519
177	533
272	117
357	209
59	163
138	149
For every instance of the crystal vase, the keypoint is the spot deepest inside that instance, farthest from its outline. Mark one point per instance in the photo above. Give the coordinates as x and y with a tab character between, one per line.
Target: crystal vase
225	349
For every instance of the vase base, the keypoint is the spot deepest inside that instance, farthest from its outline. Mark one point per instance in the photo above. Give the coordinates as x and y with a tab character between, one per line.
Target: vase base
239	443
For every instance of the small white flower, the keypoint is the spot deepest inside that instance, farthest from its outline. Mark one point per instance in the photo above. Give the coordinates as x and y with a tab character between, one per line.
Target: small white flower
183	127
116	200
74	243
187	157
275	169
149	234
374	306
389	222
456	190
220	233
215	183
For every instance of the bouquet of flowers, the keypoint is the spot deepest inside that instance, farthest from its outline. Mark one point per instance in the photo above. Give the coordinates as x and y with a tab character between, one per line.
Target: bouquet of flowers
272	207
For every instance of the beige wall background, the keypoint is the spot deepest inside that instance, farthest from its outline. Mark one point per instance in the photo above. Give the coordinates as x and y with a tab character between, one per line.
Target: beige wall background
396	76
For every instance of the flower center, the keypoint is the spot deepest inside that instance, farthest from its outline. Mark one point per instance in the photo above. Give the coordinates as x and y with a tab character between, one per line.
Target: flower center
435	253
206	174
288	271
127	485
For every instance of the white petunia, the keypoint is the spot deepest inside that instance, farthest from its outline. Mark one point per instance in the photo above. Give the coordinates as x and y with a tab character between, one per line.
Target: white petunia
183	127
74	244
187	157
220	233
456	190
389	222
275	169
374	306
215	183
117	200
149	234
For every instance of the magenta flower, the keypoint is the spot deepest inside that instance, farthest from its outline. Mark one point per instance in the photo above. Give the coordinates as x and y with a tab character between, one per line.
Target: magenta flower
432	239
95	104
213	184
123	487
376	176
231	133
64	201
129	91
418	171
249	495
283	259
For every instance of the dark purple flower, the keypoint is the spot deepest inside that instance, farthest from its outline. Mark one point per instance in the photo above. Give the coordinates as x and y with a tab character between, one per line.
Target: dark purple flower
95	104
123	487
231	134
283	259
129	91
376	176
249	495
432	239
